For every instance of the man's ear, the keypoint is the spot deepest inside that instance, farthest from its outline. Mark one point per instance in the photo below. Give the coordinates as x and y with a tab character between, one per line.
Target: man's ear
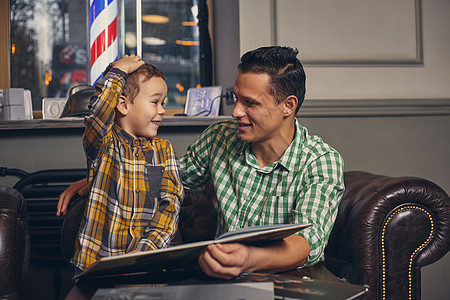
122	105
290	105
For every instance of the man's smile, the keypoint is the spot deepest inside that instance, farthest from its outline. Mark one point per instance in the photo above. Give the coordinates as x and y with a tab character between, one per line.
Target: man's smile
242	125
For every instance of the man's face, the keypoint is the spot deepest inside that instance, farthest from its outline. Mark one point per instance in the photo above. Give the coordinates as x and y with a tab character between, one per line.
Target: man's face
259	117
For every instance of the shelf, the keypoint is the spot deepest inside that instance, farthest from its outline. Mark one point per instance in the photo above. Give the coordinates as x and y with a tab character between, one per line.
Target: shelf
66	123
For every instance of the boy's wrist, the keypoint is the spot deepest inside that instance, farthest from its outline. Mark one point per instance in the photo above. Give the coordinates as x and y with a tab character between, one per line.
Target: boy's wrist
122	67
116	71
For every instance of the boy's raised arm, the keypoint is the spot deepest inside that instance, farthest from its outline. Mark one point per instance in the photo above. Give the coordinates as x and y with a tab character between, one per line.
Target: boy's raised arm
128	64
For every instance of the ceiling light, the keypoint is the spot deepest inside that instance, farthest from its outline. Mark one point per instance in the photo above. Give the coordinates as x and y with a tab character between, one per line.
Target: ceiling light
153	41
187	43
130	40
189	23
155	19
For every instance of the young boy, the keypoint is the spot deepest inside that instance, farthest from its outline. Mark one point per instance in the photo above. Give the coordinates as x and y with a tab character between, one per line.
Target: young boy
134	178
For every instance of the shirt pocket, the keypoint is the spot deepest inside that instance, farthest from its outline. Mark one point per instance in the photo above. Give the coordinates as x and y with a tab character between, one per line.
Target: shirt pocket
277	210
154	176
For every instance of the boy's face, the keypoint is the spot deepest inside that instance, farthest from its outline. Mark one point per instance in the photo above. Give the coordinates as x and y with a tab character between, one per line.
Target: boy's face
146	112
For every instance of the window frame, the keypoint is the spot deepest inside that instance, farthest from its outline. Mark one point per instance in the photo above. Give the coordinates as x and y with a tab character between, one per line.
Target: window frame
5	76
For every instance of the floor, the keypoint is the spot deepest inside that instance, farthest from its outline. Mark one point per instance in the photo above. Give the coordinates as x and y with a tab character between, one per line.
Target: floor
40	283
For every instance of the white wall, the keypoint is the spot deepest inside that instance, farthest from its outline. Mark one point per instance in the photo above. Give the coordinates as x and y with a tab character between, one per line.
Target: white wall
373	49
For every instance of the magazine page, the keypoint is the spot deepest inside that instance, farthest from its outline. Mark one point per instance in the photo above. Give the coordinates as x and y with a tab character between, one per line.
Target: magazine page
261	234
262	228
147	261
177	256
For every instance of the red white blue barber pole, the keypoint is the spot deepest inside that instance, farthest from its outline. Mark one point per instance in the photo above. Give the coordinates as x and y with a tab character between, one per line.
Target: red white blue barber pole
103	39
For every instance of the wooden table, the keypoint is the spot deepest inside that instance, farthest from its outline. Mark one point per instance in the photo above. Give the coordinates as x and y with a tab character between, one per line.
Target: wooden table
301	284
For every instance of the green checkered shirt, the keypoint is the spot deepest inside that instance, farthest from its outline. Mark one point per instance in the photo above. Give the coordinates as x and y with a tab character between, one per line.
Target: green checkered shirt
304	186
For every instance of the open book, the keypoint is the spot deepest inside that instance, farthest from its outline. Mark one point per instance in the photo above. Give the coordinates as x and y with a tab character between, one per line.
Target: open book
177	256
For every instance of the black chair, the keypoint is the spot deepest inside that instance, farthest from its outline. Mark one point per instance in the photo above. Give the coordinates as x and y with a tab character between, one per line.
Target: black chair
41	190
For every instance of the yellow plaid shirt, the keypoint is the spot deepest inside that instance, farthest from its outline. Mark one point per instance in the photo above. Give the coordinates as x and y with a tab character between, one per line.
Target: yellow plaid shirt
135	184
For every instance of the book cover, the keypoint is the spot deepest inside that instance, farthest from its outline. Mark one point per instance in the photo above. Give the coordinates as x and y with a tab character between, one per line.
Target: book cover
174	257
221	291
204	101
291	287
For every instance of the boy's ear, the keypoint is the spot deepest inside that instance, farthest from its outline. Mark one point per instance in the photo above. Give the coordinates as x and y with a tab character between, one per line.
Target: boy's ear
122	105
290	105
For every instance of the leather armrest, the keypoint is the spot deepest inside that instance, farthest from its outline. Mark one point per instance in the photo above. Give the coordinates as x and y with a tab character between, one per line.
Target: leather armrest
14	242
198	215
386	230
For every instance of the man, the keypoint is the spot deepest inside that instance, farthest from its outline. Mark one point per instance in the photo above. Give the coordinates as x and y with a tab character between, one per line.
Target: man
265	169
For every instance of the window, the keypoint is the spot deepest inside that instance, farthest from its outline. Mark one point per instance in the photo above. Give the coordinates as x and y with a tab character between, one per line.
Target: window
51	52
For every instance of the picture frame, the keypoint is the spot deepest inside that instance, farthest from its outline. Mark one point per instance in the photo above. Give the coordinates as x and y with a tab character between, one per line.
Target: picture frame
203	101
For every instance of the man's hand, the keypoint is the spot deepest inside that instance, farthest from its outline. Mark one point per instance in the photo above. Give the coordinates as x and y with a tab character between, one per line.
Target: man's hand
225	260
79	187
128	63
232	259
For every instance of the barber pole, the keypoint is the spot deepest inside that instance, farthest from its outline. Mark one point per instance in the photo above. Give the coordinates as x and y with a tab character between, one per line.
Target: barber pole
103	36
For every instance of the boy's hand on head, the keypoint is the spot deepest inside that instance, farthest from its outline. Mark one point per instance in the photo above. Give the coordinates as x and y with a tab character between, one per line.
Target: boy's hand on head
128	63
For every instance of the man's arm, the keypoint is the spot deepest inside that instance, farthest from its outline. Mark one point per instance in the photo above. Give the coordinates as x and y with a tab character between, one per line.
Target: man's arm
321	190
79	187
194	164
229	260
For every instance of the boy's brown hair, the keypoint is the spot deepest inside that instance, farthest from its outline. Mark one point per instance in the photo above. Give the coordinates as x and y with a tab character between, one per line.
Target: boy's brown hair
142	74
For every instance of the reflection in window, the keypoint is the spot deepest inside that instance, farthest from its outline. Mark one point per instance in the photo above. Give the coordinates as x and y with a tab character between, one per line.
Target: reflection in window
48	46
170	40
50	49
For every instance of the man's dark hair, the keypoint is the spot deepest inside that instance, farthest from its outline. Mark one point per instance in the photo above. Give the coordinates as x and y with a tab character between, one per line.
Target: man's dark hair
283	67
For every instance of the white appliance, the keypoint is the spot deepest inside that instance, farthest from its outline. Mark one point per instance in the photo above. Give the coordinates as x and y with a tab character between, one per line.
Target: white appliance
52	108
15	104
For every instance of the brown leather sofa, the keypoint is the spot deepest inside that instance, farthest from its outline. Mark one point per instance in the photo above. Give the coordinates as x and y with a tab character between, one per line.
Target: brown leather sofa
387	229
14	243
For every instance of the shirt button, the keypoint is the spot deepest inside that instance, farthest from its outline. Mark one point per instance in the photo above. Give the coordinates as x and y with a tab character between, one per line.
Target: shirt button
137	154
95	164
137	191
162	171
